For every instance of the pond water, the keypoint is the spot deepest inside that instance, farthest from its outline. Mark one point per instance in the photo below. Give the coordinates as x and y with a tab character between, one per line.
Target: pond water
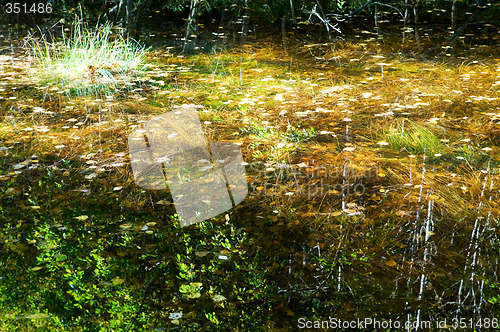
372	170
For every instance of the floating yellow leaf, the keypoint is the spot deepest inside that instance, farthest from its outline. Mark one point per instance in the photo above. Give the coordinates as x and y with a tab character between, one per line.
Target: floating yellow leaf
391	263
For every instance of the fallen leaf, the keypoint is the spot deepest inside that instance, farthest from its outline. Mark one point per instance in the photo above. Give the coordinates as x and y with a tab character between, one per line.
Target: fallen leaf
218	298
391	263
118	281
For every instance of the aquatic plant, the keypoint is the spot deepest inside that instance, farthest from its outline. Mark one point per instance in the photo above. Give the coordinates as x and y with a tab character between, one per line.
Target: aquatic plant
413	138
88	61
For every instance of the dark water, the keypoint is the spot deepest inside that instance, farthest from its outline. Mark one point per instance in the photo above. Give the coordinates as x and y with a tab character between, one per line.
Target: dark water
83	255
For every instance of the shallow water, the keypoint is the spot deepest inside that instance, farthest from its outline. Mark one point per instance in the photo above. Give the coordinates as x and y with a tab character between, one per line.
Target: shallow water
345	226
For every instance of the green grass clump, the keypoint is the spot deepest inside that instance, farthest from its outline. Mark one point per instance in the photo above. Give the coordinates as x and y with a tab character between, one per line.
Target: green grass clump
300	135
259	131
88	61
414	138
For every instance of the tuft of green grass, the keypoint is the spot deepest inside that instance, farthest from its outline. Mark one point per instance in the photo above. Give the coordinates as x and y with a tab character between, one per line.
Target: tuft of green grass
299	135
88	61
259	131
414	138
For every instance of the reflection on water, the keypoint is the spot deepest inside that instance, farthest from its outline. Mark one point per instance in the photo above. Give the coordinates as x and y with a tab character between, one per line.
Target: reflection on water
346	226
